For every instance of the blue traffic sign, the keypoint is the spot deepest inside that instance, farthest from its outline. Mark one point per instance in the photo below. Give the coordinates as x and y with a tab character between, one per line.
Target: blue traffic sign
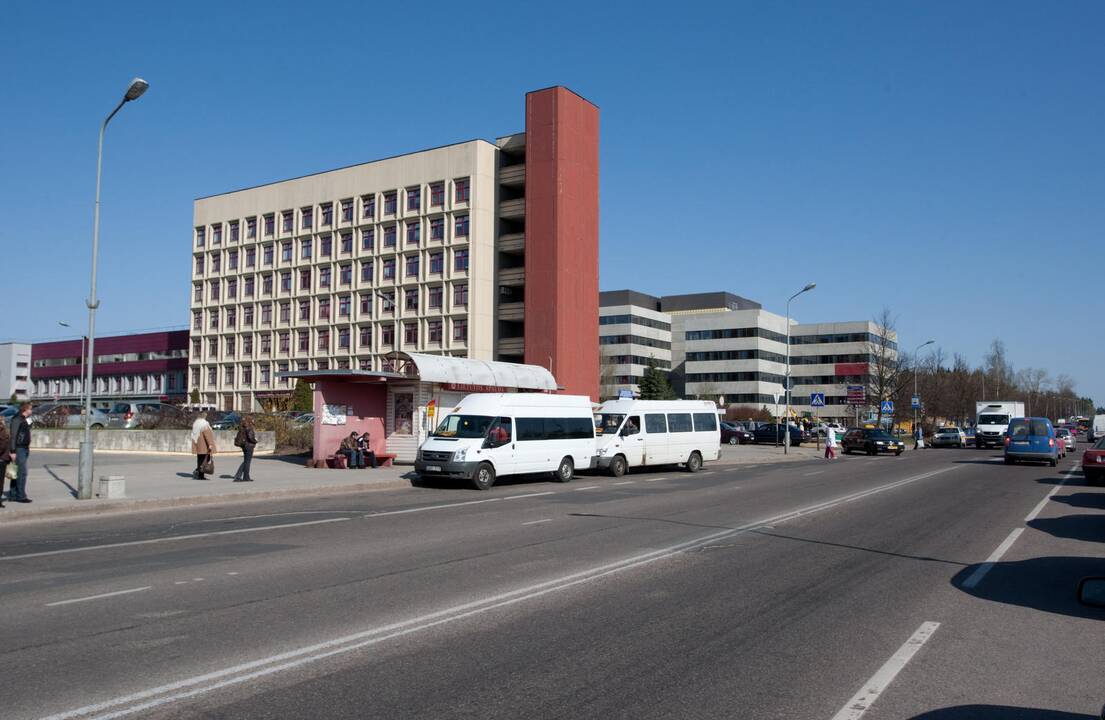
916	402
817	399
888	407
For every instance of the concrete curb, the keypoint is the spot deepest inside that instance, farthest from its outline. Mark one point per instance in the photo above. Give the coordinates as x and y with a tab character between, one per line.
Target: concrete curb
98	508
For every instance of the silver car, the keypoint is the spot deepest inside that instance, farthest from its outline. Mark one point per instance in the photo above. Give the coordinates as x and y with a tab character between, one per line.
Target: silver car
132	415
1069	438
949	437
66	415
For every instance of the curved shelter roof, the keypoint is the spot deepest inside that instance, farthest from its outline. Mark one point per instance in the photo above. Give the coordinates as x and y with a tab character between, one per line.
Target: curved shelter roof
467	371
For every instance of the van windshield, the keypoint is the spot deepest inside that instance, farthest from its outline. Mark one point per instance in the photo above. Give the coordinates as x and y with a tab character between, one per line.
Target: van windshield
463	426
608	423
993	419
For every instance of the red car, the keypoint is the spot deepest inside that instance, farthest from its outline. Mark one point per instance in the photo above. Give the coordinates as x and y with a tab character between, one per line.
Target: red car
1093	463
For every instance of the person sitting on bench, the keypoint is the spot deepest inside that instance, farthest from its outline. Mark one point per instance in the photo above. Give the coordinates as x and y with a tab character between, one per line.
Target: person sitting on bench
349	450
364	445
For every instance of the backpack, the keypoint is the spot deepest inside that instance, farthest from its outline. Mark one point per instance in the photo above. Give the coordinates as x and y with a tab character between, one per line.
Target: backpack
241	437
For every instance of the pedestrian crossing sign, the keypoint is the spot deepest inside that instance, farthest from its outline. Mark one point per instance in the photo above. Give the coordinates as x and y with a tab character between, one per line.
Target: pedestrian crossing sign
888	407
817	399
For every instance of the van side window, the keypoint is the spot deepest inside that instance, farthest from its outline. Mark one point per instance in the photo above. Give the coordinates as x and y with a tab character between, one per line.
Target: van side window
705	422
680	422
531	429
554	429
500	431
632	426
655	423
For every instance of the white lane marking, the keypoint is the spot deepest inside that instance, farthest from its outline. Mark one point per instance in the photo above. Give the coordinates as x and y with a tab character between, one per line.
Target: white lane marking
1043	503
232	573
198	579
816	472
980	572
208	682
180	582
280	514
537	494
97	597
655	479
624	482
586	487
171	538
862	701
537	522
424	508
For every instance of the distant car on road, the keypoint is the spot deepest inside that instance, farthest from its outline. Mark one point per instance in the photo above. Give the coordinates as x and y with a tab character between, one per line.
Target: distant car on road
1069	438
969	436
949	437
225	421
1093	463
66	415
774	433
734	434
135	415
1031	438
871	441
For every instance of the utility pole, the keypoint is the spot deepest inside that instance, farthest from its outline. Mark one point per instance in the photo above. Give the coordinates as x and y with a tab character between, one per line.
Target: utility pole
786	418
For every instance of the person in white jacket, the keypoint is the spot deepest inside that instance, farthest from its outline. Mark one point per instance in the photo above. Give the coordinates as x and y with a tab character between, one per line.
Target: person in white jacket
830	443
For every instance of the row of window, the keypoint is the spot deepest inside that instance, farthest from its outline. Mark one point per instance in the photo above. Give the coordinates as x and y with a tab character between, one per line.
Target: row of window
114	358
323	308
633	340
282	340
326	246
634	360
346	209
866	337
113	384
714	355
746	332
678	422
635	320
719	377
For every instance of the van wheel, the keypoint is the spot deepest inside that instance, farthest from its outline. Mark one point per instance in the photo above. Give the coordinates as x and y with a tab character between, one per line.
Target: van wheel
566	470
483	477
617	466
694	462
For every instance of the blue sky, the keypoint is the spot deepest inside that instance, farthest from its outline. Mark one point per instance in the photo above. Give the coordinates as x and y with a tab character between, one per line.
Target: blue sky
942	159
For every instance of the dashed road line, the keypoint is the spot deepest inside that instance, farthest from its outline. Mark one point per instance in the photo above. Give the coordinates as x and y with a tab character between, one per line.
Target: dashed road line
1043	503
537	522
624	482
869	692
98	597
980	572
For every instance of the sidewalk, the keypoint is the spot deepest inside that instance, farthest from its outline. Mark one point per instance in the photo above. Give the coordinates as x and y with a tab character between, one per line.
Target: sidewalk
159	480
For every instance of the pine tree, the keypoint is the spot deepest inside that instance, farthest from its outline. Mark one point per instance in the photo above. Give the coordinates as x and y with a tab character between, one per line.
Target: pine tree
303	396
194	396
654	384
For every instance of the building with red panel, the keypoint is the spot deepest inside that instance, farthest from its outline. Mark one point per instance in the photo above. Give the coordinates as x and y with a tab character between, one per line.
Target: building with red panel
145	366
485	250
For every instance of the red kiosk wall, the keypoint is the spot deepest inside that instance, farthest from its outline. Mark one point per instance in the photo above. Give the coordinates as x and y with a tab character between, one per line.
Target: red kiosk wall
368	403
562	238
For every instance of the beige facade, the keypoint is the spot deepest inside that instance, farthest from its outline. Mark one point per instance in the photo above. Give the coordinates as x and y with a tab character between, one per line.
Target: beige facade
288	276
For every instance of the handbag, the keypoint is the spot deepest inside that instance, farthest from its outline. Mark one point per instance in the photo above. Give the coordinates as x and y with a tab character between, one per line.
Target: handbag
208	467
11	472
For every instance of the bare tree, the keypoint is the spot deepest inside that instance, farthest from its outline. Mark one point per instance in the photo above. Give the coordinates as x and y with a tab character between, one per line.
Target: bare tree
1031	382
886	377
997	371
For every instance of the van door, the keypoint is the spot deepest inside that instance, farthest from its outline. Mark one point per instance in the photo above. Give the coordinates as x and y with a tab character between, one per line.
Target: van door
681	439
631	437
656	439
499	447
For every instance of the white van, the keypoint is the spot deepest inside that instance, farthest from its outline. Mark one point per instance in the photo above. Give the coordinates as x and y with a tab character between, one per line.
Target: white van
492	434
1097	428
632	433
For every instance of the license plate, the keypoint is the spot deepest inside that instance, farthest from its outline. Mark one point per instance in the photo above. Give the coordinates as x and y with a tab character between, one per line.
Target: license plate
1020	442
433	468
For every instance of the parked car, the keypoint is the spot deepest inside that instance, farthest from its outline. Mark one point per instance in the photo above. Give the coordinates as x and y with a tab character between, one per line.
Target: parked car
774	433
133	415
66	415
734	434
1031	438
949	437
839	429
1068	437
304	419
969	436
224	421
1093	463
871	441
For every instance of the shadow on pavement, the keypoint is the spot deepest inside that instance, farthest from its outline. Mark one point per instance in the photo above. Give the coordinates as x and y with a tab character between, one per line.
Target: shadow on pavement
1082	500
1076	480
1048	584
538	482
999	712
1090	528
72	490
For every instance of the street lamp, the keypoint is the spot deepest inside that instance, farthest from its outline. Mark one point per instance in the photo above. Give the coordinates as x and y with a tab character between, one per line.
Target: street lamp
84	468
84	338
915	353
786	389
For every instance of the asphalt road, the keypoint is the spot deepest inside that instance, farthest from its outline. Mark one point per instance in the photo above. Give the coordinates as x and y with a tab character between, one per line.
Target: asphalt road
858	588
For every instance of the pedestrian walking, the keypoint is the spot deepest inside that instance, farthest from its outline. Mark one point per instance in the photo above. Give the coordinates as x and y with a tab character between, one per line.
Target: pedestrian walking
351	452
203	445
20	432
247	440
364	444
830	443
918	438
5	458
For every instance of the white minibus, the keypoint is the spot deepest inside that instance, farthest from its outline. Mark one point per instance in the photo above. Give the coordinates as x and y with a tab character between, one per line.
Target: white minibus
632	433
491	434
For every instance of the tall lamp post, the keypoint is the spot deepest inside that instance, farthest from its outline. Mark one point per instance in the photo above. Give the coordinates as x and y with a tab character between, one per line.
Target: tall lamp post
84	469
395	312
84	339
786	418
915	366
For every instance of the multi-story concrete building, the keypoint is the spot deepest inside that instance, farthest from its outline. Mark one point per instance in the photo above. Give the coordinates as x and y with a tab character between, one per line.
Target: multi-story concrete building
485	250
15	371
144	366
729	349
632	333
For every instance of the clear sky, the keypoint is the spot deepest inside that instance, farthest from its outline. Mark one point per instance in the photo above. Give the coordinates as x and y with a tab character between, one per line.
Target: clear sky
942	159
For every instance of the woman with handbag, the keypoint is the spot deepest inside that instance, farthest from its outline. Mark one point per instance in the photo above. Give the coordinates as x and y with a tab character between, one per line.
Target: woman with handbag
247	440
203	445
5	458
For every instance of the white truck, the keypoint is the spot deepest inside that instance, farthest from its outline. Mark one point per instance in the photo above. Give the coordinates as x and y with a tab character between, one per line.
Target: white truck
992	420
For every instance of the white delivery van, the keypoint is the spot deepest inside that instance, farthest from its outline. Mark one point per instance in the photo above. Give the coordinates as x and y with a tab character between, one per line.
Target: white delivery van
1097	428
632	433
992	419
491	434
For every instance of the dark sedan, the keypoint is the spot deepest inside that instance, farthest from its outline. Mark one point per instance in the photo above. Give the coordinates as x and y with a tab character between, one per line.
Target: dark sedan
871	441
734	434
774	433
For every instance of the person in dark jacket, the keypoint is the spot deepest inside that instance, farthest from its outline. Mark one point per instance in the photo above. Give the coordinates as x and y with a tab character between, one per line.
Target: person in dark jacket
5	457
364	444
349	450
247	440
20	448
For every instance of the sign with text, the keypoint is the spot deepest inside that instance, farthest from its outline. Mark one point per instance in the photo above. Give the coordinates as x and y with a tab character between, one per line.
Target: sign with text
916	402
857	395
